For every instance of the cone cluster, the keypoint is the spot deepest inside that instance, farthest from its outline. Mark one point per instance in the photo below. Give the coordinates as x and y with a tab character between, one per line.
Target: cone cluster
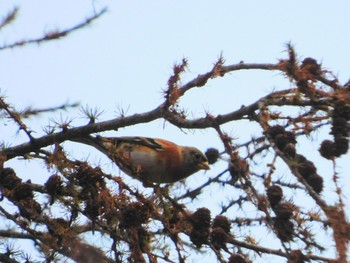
285	141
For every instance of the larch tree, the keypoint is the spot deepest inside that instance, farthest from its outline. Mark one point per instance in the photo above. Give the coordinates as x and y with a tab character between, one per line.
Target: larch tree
153	223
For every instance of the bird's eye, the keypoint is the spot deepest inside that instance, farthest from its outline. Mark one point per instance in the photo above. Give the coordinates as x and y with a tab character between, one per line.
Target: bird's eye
198	156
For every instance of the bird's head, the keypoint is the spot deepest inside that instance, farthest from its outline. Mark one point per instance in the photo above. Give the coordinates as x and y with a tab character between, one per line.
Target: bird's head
194	160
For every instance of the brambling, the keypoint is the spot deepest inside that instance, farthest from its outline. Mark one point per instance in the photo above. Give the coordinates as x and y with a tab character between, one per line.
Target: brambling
150	160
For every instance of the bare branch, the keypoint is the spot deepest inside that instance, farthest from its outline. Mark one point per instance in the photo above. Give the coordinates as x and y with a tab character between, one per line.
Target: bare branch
55	34
9	18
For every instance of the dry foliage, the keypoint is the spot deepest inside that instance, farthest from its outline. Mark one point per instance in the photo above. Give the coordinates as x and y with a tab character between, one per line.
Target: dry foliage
158	227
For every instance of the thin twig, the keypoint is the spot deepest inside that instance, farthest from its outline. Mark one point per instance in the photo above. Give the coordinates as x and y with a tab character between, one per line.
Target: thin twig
55	34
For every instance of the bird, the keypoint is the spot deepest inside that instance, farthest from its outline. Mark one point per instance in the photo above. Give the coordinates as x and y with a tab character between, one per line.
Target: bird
150	160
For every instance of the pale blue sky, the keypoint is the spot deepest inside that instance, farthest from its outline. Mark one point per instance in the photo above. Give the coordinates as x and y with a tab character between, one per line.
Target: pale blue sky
131	49
125	58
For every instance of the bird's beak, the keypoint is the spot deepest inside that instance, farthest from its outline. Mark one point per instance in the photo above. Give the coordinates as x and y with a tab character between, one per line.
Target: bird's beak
204	166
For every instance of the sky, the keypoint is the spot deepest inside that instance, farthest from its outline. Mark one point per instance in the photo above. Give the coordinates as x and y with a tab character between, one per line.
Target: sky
124	59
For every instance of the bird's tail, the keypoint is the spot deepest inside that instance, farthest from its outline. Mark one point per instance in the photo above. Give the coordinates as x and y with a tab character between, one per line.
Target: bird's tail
92	141
106	146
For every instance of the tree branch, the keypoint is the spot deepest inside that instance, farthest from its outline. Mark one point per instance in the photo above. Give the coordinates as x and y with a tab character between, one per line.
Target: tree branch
54	35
